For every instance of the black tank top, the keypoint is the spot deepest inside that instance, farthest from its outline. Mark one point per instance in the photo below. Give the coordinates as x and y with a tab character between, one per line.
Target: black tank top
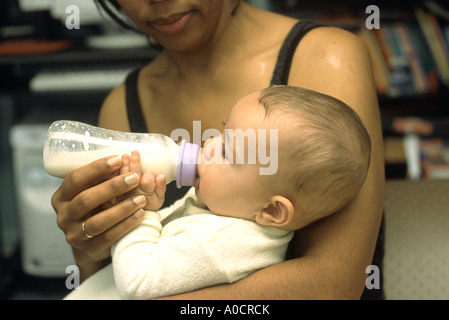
280	77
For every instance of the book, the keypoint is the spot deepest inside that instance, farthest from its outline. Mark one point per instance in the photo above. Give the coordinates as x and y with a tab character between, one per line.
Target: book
418	77
435	40
409	57
380	68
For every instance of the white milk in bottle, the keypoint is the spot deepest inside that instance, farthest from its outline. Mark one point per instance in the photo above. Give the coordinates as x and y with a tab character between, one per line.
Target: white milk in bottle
70	145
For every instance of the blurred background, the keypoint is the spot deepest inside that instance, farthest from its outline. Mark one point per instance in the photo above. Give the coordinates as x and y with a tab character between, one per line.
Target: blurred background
50	72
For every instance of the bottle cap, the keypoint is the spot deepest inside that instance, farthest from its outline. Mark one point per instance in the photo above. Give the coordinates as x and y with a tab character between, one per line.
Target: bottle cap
188	158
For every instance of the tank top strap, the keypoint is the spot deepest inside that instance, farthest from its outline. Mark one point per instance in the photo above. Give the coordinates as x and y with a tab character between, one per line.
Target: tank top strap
285	57
135	115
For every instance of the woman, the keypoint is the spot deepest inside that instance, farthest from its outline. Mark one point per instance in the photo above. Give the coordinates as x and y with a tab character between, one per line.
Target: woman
214	53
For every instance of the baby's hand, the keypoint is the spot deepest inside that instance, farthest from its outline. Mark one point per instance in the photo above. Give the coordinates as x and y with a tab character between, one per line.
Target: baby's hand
152	187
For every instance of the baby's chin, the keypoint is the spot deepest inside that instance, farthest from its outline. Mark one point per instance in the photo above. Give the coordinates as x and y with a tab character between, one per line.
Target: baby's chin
199	197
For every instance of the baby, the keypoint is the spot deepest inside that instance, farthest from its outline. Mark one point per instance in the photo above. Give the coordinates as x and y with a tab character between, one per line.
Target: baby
236	220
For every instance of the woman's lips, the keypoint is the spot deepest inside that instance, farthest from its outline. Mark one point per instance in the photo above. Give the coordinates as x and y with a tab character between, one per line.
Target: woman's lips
173	23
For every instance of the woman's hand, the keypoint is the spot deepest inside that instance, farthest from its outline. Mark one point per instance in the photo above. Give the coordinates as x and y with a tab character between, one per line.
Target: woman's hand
152	187
90	226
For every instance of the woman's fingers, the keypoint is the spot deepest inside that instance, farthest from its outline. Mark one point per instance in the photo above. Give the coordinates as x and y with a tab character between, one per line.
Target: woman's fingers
93	197
76	201
81	178
98	232
106	220
98	247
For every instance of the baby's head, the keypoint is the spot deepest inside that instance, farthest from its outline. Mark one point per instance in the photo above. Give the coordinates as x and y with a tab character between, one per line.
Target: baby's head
322	148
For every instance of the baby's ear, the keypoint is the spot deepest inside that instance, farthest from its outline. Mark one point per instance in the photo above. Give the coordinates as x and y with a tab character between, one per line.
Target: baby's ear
279	213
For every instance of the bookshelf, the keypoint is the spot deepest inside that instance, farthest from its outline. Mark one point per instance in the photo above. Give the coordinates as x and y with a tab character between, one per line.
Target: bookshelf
410	57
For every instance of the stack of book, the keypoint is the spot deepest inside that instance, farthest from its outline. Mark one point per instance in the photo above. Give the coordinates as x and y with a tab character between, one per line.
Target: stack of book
409	57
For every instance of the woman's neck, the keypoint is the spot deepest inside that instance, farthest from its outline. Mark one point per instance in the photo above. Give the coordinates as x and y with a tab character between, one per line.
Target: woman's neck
223	46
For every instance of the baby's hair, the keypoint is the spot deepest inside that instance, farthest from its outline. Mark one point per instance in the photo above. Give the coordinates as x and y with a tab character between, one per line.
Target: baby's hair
324	151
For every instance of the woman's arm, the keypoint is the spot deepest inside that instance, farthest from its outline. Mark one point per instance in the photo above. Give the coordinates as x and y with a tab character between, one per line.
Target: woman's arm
333	253
342	68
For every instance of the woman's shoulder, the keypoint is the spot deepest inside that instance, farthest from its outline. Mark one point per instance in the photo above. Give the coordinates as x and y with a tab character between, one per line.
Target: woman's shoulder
327	57
323	39
329	42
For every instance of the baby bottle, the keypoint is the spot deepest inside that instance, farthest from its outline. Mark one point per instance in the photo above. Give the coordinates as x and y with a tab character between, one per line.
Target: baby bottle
70	145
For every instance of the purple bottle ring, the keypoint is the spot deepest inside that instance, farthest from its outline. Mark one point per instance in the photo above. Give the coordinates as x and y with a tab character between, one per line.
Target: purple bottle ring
186	170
